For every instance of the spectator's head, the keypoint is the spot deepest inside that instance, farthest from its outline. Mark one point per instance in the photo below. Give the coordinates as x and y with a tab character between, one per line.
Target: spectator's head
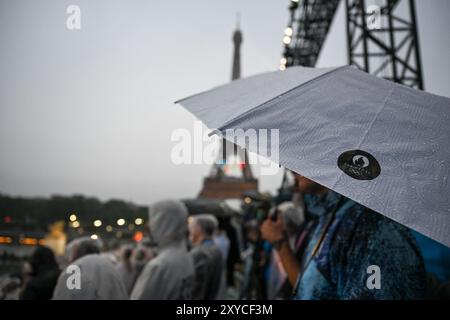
42	260
143	252
202	227
141	255
126	253
168	222
305	185
83	246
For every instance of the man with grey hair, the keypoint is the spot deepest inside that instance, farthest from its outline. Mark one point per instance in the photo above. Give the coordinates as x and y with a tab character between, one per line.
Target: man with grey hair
206	255
170	275
90	275
81	247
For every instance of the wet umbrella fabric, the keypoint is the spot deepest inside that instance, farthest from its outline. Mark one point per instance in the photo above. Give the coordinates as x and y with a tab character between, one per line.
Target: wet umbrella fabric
382	144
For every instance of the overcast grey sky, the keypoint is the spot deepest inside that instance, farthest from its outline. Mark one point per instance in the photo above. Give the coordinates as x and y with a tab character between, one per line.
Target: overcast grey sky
91	111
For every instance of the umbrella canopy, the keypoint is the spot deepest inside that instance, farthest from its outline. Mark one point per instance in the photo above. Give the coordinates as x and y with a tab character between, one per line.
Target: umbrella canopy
382	144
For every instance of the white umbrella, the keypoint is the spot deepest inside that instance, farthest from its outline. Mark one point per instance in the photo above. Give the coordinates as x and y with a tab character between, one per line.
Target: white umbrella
382	144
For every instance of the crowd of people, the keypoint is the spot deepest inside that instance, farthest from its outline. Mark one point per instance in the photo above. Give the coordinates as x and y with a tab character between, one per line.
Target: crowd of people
160	267
310	244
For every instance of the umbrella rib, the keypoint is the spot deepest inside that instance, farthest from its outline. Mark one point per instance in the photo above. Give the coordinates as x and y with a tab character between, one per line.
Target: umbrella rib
368	129
180	101
242	115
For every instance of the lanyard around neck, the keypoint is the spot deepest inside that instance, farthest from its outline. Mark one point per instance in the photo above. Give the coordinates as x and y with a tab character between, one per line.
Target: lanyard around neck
318	245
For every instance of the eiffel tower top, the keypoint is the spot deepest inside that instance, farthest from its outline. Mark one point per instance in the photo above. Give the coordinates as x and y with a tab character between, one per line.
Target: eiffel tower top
237	40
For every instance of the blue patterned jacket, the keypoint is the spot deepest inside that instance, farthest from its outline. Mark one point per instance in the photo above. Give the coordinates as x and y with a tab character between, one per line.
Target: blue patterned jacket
357	239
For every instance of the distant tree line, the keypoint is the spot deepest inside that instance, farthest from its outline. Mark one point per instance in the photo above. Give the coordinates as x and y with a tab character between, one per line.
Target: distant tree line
38	213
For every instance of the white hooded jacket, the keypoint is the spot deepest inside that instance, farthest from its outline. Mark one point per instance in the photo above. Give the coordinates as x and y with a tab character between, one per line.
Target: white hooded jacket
98	280
171	274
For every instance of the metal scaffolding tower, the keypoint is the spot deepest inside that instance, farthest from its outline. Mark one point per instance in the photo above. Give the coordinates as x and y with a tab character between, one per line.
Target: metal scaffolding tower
382	36
389	48
305	34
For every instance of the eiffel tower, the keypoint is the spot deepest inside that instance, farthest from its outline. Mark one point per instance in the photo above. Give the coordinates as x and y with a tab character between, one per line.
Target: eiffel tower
222	183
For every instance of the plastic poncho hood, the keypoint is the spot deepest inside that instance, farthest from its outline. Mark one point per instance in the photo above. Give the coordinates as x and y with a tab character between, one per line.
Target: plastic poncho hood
168	222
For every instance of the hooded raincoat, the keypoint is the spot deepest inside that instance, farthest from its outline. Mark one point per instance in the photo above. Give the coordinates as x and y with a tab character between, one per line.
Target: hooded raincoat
171	274
98	280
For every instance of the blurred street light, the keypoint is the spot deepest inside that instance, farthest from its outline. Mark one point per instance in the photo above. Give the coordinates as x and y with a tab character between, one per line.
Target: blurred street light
138	236
288	31
97	223
286	40
75	224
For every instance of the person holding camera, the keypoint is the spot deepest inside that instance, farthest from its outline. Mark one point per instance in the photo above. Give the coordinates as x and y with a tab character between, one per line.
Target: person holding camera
352	252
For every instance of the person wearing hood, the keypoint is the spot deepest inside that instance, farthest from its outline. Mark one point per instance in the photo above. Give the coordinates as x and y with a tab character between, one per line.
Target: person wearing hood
44	274
207	256
89	276
171	274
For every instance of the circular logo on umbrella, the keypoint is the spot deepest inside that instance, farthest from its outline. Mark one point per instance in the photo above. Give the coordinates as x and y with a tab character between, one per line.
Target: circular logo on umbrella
359	165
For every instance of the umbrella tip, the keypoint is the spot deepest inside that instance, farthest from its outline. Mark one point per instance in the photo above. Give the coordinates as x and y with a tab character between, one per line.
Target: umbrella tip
215	132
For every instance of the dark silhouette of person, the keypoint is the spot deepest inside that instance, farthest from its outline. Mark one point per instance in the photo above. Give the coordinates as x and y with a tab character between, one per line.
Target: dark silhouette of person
44	275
